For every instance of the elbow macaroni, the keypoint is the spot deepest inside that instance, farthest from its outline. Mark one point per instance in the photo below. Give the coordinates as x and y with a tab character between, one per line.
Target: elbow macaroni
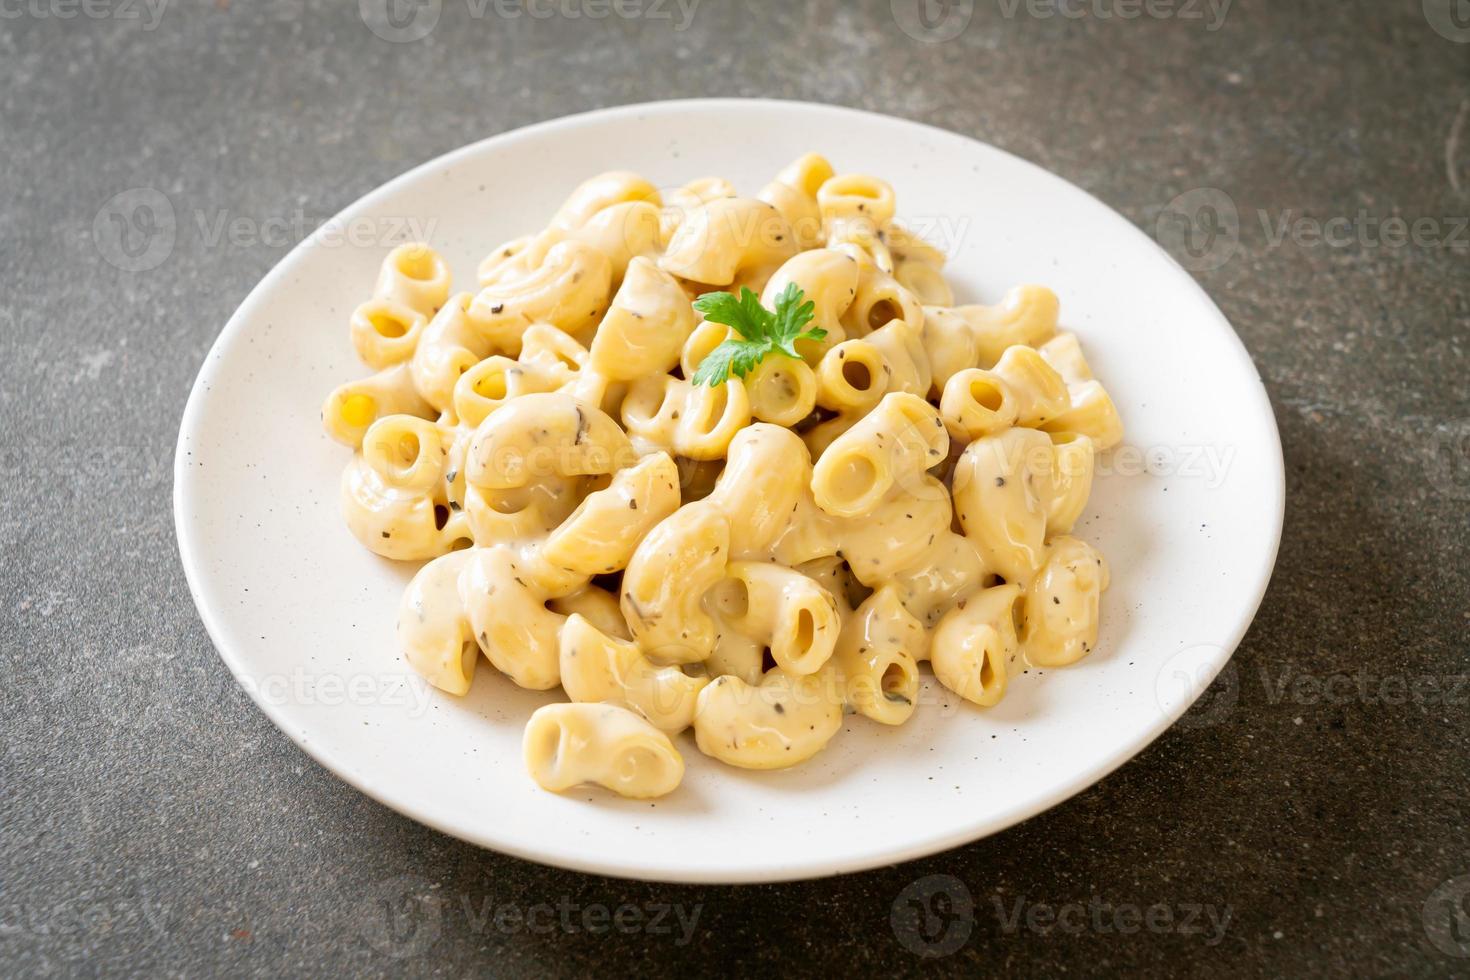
751	560
567	745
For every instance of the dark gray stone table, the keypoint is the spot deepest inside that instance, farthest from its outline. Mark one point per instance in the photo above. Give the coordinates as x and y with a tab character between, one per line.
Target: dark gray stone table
152	821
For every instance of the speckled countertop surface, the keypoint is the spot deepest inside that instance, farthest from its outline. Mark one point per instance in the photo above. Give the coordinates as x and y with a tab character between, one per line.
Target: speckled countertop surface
1310	815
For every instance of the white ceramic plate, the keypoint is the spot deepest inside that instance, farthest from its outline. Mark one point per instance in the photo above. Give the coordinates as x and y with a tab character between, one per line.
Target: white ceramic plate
304	617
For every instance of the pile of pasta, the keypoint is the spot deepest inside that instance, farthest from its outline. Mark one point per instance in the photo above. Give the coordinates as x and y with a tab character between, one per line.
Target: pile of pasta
752	559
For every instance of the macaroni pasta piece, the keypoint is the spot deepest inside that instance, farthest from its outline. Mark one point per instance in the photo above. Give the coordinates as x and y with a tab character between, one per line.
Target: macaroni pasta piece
880	299
855	209
977	403
549	360
663	588
878	659
728	238
828	279
783	720
905	365
781	390
597	667
451	345
385	333
1092	414
624	232
975	644
1037	391
897	441
976	336
434	631
597	606
646	326
918	267
794	194
596	194
568	745
413	284
780	609
545	433
1000	486
393	496
414	276
1061	616
697	421
568	289
351	409
750	525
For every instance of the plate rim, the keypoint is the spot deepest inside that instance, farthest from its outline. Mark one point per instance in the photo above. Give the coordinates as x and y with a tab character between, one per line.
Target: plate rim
612	866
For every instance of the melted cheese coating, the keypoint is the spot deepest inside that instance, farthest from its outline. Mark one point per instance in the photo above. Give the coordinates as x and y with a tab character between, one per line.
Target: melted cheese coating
753	559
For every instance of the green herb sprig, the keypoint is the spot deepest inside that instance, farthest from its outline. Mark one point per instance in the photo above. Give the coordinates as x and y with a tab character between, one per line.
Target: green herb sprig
761	331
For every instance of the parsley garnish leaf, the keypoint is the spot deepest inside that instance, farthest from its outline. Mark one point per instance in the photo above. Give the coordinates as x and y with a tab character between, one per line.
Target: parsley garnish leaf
761	331
715	367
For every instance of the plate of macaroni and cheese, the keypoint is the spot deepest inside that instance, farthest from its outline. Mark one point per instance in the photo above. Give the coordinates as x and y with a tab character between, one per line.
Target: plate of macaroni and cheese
727	491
